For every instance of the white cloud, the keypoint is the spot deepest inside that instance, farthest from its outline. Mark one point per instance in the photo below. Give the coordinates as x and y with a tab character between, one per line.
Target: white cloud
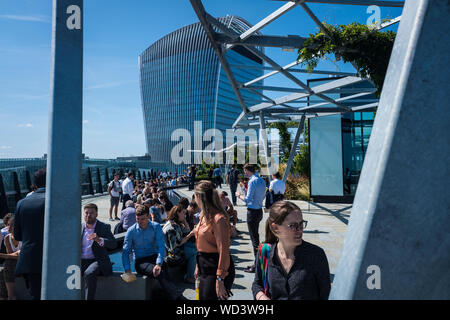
37	18
85	121
5	147
25	125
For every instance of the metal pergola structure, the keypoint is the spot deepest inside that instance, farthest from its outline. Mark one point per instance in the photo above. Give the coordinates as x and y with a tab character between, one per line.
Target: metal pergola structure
282	109
400	209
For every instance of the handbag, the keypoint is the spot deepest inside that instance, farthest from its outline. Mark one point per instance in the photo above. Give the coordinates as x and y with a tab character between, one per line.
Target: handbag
175	260
269	199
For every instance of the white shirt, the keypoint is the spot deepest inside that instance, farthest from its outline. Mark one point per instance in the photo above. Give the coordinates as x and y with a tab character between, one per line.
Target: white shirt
127	187
4	232
117	185
164	215
277	186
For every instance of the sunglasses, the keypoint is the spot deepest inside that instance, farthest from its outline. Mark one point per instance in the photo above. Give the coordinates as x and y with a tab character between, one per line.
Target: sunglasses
297	225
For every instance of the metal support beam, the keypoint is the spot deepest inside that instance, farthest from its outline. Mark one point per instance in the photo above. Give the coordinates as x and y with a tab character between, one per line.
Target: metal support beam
335	73
294	147
269	99
258	53
290	76
287	42
239	119
264	22
340	100
263	139
62	242
380	3
390	23
318	89
202	16
267	75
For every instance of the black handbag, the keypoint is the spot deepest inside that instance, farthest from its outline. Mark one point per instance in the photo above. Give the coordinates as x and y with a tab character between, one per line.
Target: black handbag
269	199
175	260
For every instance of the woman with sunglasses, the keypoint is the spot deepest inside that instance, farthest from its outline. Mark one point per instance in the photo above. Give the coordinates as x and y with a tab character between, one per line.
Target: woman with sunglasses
287	267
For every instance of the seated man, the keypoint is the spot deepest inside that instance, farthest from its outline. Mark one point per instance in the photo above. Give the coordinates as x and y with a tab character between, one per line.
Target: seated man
146	239
96	237
155	212
127	218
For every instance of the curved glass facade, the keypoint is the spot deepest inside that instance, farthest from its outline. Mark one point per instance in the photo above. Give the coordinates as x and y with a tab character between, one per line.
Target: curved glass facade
182	81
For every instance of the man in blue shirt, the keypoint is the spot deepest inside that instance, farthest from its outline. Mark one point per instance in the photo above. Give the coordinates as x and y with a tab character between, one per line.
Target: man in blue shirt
254	200
146	239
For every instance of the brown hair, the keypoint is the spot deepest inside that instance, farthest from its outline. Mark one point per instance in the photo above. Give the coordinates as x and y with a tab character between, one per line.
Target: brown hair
91	206
184	202
193	204
250	167
6	218
278	212
173	213
209	198
141	210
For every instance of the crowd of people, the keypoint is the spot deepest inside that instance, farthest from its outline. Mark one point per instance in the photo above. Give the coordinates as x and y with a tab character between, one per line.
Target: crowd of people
193	234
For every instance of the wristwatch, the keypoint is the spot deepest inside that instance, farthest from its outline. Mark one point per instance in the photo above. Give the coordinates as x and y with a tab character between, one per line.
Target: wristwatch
219	278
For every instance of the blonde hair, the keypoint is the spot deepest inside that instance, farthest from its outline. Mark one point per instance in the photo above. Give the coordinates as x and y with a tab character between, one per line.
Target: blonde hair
209	199
278	212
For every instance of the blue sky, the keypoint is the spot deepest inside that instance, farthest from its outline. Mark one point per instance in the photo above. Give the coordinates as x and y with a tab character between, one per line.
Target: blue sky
115	33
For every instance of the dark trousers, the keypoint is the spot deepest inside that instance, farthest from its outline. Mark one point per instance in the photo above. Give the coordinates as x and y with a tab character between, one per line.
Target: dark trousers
218	181
145	266
207	264
34	282
191	181
254	217
90	270
125	198
233	188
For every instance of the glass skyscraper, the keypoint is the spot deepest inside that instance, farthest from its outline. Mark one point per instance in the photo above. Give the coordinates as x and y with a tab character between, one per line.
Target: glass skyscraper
182	81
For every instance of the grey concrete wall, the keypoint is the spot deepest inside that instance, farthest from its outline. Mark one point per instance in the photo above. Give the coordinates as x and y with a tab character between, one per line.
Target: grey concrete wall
401	214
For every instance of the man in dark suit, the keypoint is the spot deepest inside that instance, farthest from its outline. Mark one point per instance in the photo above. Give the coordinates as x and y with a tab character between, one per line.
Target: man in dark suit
29	228
96	237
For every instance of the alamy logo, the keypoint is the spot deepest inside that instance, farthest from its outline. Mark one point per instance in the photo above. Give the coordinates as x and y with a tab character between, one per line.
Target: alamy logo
374	21
374	281
74	20
74	280
220	147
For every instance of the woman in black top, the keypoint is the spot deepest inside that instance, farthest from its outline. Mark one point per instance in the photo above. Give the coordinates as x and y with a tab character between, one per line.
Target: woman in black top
293	268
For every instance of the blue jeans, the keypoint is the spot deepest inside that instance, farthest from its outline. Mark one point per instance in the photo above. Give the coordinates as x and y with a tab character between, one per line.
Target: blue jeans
190	252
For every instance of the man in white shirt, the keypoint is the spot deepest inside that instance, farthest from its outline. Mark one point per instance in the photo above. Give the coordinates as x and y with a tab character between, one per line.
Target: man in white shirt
127	189
277	187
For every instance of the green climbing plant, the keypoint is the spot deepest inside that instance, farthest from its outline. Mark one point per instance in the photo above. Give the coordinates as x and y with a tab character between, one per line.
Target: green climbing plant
367	48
